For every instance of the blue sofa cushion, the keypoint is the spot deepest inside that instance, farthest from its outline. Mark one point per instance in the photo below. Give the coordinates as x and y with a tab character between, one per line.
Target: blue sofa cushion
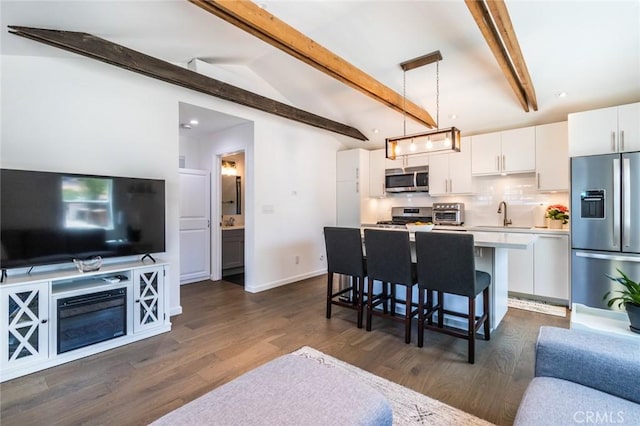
550	402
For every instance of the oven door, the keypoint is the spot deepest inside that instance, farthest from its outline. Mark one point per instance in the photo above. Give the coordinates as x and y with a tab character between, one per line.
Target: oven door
400	182
446	217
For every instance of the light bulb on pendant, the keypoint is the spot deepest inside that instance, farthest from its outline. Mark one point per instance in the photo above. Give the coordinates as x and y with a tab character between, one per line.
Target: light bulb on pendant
429	144
447	142
412	147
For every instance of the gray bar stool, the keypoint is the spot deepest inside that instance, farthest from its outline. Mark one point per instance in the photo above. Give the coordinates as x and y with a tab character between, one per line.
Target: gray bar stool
344	256
446	264
389	261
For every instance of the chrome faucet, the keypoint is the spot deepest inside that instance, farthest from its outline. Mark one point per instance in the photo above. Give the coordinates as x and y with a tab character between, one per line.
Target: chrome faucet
505	221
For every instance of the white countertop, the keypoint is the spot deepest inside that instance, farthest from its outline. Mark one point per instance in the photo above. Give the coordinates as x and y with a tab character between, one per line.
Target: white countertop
484	239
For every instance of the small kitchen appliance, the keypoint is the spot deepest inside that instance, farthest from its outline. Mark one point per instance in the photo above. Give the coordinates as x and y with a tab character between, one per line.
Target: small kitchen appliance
448	213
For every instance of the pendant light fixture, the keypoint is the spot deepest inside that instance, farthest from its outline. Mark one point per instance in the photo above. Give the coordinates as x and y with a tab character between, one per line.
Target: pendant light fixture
437	141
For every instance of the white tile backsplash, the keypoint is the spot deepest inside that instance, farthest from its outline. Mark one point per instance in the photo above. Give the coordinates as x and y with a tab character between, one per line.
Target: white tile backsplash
518	191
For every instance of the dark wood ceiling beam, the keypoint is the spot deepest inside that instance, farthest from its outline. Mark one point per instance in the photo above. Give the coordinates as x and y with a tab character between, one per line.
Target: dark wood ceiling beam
103	50
427	59
502	21
251	18
484	21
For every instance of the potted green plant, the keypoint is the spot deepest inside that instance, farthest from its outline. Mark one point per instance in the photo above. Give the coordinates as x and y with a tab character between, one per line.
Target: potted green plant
629	297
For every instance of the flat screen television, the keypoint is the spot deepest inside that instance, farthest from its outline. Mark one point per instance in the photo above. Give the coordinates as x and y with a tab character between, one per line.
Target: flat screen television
48	218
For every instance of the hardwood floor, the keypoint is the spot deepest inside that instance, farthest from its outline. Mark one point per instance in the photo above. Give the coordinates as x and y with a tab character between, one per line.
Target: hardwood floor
224	332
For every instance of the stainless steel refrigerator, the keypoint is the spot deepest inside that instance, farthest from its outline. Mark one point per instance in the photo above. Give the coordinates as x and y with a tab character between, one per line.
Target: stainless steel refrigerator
605	224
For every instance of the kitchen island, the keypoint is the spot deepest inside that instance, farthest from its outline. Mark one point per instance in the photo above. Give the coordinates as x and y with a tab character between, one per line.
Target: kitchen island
492	254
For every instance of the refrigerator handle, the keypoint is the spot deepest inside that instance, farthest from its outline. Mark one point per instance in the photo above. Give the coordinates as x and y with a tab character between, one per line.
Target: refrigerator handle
616	203
626	202
590	255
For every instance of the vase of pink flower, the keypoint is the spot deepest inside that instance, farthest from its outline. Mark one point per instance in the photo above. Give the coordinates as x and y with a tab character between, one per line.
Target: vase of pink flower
558	215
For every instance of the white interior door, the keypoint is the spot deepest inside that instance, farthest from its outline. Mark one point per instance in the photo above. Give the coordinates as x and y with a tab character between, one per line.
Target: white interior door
195	234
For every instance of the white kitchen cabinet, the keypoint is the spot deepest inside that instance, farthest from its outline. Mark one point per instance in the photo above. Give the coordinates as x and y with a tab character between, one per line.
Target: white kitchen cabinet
552	157
377	162
551	266
24	326
518	150
485	153
352	187
403	161
510	151
542	269
521	274
450	174
605	130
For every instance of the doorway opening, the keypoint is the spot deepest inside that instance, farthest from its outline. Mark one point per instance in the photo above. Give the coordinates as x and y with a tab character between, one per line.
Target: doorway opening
232	202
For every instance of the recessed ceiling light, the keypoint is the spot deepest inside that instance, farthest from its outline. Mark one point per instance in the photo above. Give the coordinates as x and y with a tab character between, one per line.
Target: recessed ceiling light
561	94
453	116
376	131
194	122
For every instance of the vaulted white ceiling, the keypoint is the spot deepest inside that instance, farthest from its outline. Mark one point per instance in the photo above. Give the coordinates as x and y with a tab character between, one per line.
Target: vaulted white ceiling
588	49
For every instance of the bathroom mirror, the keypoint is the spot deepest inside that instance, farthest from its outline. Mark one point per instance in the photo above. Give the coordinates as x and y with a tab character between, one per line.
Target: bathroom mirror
231	195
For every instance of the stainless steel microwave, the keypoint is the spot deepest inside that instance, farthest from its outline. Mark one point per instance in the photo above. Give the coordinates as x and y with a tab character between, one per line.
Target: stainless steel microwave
410	179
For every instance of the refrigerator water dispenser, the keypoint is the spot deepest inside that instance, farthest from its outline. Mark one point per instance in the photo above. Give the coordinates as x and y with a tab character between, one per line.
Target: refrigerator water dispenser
592	204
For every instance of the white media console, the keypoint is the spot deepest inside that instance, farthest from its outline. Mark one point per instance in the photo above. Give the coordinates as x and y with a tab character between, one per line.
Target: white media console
59	316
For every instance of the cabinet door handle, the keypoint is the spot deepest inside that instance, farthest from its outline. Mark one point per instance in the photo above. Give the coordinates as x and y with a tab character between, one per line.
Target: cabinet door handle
137	300
621	140
383	189
497	162
538	180
357	187
357	172
44	321
504	163
450	185
613	141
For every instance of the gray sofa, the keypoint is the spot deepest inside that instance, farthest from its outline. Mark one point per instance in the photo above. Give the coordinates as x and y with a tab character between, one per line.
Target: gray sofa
583	378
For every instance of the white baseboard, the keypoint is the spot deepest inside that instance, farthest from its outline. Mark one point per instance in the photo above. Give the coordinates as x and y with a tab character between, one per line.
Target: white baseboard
175	310
284	281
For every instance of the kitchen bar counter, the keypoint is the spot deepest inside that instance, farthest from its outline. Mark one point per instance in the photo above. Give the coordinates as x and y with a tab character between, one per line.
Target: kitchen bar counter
492	254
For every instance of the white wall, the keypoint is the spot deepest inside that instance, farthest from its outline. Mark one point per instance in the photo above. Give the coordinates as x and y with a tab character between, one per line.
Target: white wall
519	191
79	115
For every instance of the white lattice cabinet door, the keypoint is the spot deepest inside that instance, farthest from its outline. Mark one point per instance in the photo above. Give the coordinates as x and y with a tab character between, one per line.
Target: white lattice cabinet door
148	298
25	324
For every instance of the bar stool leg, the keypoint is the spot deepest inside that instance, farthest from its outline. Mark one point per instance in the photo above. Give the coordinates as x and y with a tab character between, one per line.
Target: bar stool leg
421	308
370	303
472	330
407	315
440	309
487	322
329	292
359	288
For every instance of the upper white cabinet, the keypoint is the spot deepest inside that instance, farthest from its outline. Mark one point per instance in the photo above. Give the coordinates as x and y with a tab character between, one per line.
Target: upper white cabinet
402	161
352	186
510	151
450	174
377	163
552	157
605	131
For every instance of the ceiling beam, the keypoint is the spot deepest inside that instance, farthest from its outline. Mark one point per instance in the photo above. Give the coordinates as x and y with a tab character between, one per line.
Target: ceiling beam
483	19
253	19
103	50
500	14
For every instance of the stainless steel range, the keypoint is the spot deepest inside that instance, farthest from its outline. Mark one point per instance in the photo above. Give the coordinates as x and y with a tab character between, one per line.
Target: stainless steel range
448	213
400	216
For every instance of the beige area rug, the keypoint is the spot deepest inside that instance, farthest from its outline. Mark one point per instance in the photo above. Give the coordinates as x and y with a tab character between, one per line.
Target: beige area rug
409	407
535	306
